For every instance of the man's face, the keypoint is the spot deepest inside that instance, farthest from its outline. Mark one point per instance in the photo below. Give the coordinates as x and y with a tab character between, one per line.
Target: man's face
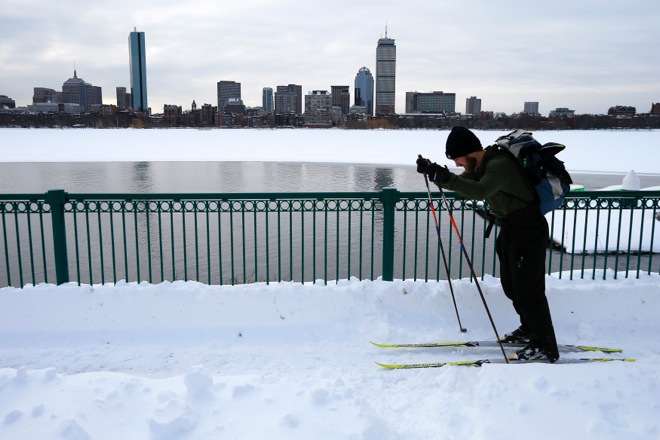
468	162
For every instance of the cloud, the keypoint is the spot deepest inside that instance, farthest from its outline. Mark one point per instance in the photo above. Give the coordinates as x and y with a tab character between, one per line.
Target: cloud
504	52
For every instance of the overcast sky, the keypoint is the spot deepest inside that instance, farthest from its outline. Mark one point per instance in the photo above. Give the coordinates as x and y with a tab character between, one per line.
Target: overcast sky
587	55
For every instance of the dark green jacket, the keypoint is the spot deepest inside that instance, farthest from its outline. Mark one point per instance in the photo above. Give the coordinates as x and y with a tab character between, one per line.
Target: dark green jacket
499	181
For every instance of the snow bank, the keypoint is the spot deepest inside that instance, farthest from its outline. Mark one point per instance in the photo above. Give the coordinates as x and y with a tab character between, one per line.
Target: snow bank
595	230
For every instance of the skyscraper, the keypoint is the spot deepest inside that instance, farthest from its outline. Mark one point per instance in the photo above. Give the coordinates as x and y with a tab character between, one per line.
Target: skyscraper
267	99
341	97
364	90
385	75
288	99
138	64
228	90
76	91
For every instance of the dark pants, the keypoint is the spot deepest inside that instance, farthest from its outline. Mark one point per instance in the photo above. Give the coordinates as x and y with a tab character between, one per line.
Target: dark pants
521	247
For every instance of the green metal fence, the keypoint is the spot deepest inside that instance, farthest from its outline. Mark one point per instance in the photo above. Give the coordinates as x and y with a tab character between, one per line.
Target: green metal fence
58	237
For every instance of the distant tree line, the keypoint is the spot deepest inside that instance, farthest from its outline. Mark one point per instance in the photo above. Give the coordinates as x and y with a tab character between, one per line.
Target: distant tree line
356	122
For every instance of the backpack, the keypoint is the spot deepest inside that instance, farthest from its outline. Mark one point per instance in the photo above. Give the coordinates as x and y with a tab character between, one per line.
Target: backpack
544	171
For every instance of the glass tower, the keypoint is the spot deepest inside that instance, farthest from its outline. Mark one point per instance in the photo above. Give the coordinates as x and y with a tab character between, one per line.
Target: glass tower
364	90
138	64
267	99
385	75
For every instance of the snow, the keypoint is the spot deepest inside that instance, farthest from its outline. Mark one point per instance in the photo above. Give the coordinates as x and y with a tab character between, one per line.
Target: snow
184	360
598	230
631	182
597	151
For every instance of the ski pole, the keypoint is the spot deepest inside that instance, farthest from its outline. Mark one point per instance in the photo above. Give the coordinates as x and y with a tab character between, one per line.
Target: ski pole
442	251
474	275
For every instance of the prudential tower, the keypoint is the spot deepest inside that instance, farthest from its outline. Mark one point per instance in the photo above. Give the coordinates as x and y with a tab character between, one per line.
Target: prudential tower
385	75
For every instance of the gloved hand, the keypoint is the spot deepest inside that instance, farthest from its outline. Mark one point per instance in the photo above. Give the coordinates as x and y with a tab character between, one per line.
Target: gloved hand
423	164
436	173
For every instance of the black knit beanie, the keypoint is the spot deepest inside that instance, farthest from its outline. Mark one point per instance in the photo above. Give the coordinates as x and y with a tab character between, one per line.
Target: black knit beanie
461	142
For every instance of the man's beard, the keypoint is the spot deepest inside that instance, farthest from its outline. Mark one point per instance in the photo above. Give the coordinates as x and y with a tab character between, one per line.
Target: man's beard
470	164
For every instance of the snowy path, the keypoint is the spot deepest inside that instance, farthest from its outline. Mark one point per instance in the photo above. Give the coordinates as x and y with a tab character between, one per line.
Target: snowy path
287	361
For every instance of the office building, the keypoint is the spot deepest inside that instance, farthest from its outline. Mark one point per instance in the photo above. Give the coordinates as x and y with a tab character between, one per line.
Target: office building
171	113
531	108
562	112
123	98
620	111
288	100
234	106
138	65
228	90
208	113
267	100
385	76
434	102
655	108
358	110
44	94
76	91
318	109
364	90
341	97
6	102
56	107
473	106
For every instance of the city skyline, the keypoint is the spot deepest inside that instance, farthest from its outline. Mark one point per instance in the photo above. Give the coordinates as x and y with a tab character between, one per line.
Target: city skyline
587	56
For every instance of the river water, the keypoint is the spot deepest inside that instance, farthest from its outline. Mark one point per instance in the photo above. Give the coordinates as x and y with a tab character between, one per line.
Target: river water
239	177
229	177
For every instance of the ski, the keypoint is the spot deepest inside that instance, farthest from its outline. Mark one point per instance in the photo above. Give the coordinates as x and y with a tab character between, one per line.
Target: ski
480	362
566	348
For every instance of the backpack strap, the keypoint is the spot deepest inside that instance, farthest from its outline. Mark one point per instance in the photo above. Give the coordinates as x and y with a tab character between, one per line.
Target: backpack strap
494	151
491	222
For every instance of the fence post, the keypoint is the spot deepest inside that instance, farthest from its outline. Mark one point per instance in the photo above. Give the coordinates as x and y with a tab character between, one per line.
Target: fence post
389	197
56	198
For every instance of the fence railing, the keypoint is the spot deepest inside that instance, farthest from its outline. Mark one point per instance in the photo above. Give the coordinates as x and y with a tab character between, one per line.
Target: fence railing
58	237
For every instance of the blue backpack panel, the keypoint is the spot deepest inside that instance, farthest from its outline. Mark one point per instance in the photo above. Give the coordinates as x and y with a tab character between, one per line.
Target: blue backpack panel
546	173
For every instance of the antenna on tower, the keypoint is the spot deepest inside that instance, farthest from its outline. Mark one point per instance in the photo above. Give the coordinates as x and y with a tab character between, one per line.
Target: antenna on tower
385	28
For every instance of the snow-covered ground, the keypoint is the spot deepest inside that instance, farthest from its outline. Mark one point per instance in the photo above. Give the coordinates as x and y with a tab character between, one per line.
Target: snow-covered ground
185	360
596	151
291	361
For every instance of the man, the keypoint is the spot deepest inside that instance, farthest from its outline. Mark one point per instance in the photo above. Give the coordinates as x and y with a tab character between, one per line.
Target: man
496	177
